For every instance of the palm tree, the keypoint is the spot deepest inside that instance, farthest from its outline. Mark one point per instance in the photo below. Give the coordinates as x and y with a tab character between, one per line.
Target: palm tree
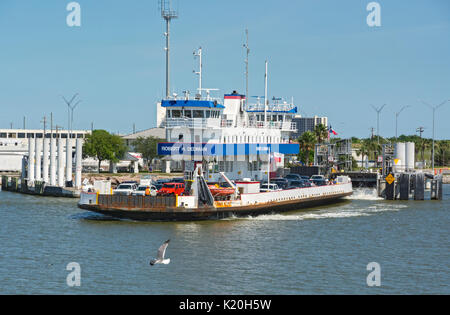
443	147
374	147
307	142
321	132
423	144
364	150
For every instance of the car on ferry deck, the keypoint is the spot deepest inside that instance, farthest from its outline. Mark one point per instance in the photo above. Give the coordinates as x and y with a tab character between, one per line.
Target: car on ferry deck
125	189
319	182
141	190
269	187
291	177
280	181
299	184
171	189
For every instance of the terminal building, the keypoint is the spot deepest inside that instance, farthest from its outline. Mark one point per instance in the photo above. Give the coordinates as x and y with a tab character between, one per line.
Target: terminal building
14	144
307	124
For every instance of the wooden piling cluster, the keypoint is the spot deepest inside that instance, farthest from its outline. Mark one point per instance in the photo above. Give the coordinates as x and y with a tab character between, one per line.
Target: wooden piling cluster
402	186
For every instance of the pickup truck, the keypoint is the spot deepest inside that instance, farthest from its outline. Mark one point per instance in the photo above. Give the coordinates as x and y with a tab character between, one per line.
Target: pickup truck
125	189
171	189
269	187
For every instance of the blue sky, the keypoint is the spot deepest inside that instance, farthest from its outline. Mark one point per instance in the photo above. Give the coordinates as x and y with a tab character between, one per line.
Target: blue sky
321	52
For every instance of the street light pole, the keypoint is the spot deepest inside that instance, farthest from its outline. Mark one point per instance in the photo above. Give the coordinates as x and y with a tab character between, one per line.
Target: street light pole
70	109
378	110
396	118
434	108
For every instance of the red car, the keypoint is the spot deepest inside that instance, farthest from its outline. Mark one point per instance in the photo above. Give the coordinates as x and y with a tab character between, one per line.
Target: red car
171	189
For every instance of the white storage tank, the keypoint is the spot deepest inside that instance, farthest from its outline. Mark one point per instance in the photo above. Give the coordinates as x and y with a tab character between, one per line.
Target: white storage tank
410	158
400	157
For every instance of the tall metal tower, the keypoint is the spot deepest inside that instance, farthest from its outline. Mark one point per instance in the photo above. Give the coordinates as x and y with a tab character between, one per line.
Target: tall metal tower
167	14
246	66
198	53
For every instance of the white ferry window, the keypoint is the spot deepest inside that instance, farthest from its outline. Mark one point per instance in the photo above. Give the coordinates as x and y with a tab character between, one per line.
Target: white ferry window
198	114
176	113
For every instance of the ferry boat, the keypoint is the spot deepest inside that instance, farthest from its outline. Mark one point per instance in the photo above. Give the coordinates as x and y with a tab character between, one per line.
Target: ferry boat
231	142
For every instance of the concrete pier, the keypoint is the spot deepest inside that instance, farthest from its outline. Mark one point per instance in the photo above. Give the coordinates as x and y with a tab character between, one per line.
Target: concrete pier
78	163
68	160
38	155
60	163
31	160
45	160
53	161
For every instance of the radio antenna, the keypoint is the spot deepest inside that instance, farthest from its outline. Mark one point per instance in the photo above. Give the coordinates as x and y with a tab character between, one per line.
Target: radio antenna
246	66
167	13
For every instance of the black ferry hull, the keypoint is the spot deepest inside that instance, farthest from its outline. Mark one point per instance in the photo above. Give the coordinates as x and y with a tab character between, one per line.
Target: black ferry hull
211	213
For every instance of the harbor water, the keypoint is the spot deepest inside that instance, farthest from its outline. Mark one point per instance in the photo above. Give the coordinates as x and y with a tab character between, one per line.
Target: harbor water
324	250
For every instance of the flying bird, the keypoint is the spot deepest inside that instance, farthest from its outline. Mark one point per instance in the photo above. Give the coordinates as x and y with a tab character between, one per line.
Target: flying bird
160	256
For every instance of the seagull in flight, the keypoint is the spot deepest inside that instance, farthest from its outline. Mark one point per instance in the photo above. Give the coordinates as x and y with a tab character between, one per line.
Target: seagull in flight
160	256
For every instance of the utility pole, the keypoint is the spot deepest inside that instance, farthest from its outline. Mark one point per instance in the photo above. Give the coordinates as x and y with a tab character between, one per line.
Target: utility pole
378	110
371	130
44	122
396	118
434	108
420	130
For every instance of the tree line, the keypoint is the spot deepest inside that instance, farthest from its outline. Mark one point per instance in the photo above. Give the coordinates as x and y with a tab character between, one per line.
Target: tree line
105	146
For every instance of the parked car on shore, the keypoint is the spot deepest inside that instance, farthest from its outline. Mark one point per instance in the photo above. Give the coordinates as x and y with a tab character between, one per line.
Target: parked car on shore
125	189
